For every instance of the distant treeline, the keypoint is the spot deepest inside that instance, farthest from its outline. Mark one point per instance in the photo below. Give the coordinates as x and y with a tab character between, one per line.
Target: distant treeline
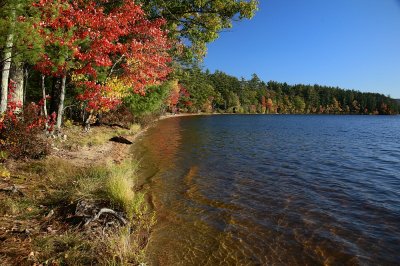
225	93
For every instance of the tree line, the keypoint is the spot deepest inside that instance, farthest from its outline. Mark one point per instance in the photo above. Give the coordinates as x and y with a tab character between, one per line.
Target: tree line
224	93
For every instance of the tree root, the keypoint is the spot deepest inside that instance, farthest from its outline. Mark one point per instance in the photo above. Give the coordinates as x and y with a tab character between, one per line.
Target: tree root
109	211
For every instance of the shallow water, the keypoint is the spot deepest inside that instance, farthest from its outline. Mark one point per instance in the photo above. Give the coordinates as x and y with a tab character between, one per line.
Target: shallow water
274	189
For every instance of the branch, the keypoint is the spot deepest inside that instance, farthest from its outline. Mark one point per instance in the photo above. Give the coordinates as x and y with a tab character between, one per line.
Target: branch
115	64
109	211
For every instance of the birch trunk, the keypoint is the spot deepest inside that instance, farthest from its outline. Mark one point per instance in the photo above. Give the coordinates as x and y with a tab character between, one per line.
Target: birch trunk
18	94
44	100
26	74
61	104
5	73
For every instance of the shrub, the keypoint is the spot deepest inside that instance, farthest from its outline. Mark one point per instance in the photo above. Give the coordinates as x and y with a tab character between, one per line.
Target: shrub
22	135
146	120
121	116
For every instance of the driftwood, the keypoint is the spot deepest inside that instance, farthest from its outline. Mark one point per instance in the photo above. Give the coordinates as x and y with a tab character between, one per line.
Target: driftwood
121	139
109	211
89	214
12	190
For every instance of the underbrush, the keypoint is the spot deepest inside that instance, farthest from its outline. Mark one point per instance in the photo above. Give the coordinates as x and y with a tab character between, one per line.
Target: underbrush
120	116
22	135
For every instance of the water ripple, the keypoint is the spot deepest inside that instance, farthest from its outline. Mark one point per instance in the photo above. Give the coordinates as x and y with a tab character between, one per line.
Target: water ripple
274	190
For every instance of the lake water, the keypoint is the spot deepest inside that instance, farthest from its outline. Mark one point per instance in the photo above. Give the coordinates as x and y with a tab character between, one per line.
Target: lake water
274	190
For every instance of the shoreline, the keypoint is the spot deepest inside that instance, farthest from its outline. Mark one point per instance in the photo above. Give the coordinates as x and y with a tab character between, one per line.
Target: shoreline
36	198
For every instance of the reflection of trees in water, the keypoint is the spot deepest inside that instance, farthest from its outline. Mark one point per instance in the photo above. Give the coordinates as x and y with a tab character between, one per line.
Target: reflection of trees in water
164	141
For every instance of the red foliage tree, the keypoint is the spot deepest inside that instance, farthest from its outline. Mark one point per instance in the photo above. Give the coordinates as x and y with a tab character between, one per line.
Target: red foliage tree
184	96
84	38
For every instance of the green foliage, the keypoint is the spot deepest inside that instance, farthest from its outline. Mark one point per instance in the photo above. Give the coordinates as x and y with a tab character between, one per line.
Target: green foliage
299	104
27	44
151	102
198	22
201	89
226	86
229	94
232	100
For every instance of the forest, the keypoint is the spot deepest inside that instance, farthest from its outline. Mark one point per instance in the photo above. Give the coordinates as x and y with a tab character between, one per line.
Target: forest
224	93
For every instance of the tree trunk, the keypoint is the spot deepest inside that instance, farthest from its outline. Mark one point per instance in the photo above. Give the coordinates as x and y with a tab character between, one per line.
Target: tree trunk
26	74
44	100
5	73
18	76
87	121
61	104
55	95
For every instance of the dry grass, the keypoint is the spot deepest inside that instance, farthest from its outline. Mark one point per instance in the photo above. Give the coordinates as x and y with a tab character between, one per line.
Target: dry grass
70	248
121	245
9	206
77	248
125	246
4	173
77	137
53	183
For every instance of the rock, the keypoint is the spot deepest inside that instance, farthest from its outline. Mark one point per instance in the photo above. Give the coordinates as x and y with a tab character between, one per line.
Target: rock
121	139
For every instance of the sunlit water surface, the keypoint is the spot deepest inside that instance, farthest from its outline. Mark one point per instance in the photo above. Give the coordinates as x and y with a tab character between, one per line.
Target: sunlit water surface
275	190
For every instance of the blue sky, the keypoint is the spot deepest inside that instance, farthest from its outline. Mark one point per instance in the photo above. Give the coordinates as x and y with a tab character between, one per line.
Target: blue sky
353	44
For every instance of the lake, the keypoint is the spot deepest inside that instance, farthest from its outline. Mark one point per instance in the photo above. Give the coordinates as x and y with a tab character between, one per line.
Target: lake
273	189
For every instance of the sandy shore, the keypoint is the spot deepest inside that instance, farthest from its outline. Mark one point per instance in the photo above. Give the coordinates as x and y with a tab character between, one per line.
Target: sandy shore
109	152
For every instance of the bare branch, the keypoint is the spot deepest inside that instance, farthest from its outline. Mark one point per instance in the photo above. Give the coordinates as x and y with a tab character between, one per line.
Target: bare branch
113	67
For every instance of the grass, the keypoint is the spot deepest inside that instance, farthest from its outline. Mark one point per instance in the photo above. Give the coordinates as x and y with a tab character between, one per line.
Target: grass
70	248
76	137
121	246
76	248
115	184
9	206
119	189
55	183
90	183
4	173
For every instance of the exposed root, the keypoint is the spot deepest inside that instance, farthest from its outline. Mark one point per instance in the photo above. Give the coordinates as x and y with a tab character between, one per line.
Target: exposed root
109	211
